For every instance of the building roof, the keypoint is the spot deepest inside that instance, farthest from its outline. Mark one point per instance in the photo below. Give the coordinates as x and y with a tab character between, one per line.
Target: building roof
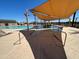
7	21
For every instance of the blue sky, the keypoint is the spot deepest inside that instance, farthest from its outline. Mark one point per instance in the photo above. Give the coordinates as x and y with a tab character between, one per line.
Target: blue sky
14	9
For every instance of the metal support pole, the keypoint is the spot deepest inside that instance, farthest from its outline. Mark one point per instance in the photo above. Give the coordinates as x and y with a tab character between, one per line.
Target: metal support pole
76	22
26	14
46	24
73	19
19	40
69	22
59	26
59	22
27	22
35	20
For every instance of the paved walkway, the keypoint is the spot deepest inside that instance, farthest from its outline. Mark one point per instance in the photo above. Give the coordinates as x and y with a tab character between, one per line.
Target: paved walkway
10	51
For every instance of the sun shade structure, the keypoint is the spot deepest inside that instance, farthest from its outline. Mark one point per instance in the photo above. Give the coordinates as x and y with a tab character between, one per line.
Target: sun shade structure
42	16
56	9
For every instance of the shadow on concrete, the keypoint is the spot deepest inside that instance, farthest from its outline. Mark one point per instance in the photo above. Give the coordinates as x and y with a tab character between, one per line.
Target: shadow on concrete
45	44
2	33
76	32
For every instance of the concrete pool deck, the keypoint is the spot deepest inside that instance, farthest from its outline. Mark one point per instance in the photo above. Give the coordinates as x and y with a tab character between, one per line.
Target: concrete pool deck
23	50
72	43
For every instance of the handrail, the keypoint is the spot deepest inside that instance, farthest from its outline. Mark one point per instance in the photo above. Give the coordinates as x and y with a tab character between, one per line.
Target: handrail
19	40
65	36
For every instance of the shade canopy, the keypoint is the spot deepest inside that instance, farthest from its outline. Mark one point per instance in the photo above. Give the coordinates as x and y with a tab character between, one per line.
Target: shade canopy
56	9
43	16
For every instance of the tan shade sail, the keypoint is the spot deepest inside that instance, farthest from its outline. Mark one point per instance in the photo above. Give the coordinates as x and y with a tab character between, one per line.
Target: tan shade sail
43	16
57	9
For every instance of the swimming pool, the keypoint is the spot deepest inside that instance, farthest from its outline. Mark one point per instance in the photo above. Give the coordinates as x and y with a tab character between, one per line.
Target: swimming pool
54	27
14	27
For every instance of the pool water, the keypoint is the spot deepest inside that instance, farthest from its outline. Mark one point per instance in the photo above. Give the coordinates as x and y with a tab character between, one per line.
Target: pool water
56	28
14	27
